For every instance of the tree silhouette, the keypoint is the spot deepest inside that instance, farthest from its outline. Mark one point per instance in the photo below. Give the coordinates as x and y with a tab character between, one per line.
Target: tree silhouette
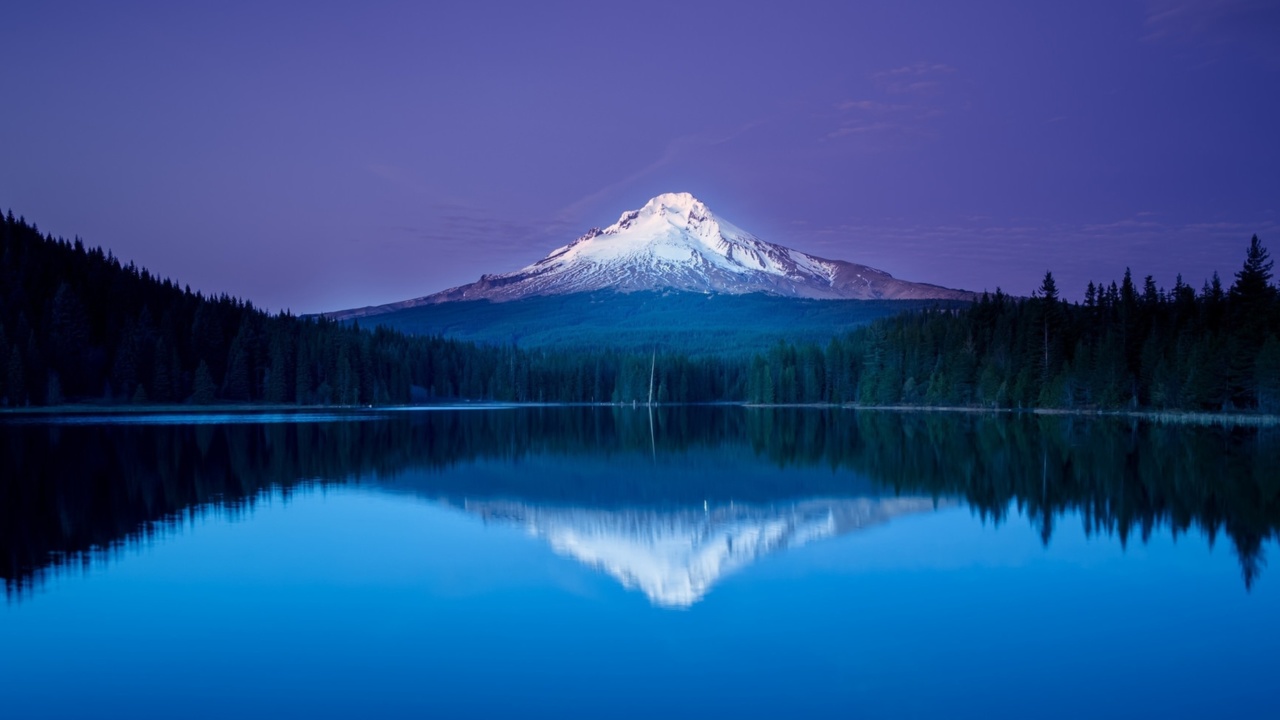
203	390
1253	281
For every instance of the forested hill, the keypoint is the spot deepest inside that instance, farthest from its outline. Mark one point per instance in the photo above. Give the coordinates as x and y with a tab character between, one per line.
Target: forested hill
726	326
78	325
1124	347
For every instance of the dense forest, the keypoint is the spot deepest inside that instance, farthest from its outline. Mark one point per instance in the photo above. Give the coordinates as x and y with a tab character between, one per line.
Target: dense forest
1123	347
730	328
77	325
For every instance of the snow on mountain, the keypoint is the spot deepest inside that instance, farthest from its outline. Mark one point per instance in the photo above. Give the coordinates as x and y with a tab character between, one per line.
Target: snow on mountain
675	556
676	242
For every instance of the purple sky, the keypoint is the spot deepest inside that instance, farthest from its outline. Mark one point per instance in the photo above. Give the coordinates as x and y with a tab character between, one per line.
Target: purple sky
315	158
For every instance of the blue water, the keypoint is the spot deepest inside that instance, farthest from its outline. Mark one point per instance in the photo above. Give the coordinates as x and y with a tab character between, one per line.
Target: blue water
391	594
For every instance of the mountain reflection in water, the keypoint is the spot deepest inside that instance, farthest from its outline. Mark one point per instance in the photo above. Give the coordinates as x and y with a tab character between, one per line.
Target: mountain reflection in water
667	508
675	555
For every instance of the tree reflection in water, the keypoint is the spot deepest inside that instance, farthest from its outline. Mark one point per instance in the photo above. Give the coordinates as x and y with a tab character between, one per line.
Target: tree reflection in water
74	494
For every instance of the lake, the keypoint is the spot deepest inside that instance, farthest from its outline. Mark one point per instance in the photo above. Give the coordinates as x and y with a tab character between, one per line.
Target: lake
616	562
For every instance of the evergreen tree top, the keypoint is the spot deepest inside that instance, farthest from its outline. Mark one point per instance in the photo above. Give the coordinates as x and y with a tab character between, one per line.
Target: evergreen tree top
1253	281
1048	287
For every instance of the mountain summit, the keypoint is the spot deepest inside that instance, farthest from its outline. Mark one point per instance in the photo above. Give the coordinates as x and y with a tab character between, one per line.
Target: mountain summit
676	242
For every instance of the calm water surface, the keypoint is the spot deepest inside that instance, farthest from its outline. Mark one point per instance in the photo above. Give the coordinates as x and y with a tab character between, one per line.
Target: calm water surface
611	563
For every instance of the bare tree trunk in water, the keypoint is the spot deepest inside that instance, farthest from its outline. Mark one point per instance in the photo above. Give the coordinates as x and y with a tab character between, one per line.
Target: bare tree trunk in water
652	369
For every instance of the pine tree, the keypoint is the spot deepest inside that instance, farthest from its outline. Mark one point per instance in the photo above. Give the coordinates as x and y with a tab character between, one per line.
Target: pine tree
1050	320
203	389
277	378
162	363
302	375
236	385
16	385
53	393
69	338
4	377
206	338
124	372
1251	300
1253	281
1267	376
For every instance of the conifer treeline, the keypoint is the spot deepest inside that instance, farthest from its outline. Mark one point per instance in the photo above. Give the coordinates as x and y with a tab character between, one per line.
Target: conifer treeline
77	325
1123	347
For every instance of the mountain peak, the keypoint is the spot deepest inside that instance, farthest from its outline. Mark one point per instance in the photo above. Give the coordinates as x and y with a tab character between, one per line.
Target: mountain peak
681	211
679	203
674	241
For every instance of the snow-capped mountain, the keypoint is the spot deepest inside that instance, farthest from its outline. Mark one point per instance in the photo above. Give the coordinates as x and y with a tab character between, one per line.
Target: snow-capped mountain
675	556
676	242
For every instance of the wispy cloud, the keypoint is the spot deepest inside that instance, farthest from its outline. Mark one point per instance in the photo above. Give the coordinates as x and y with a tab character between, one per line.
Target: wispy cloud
450	225
1223	24
916	68
897	107
455	230
982	253
871	106
400	177
914	79
856	128
456	227
674	150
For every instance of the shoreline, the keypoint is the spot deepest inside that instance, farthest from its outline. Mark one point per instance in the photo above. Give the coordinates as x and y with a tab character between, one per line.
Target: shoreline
1183	417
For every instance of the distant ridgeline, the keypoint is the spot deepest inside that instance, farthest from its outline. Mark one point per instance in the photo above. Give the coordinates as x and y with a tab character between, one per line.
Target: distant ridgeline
76	325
